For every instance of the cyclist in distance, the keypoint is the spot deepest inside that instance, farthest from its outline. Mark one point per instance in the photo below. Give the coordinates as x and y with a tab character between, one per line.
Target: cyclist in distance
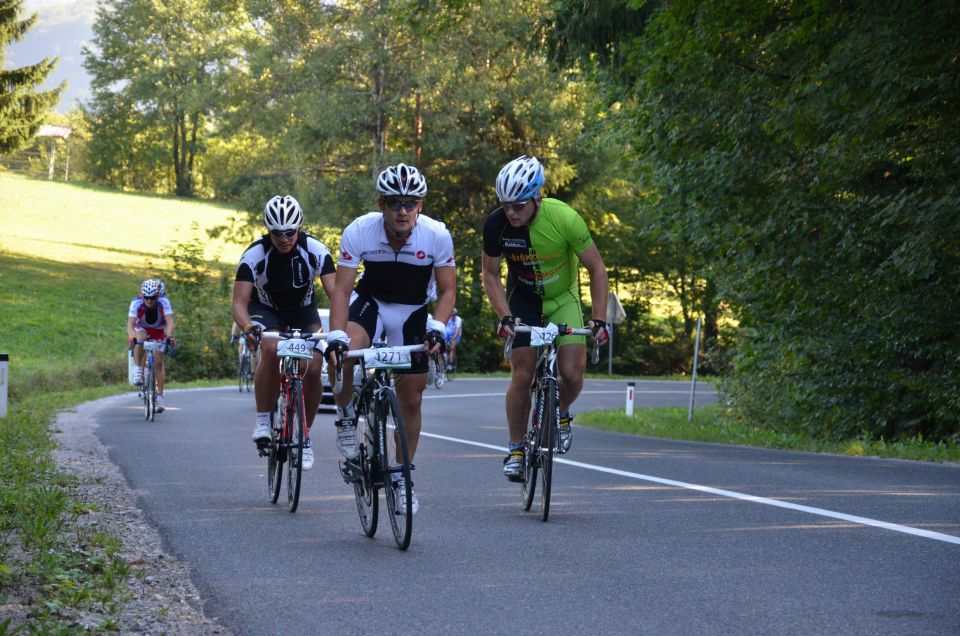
454	331
274	291
405	255
150	317
544	242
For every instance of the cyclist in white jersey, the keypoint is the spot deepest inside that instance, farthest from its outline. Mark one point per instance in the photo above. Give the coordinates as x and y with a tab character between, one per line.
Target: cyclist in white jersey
406	255
274	290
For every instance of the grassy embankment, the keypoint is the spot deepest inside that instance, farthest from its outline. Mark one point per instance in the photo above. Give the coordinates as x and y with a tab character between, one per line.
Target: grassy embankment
71	258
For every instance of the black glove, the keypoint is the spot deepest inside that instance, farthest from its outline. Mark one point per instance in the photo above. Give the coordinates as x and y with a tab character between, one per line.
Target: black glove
434	337
600	326
506	321
336	346
171	343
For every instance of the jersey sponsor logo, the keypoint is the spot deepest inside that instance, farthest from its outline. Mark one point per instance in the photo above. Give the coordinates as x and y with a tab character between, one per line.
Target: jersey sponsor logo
449	260
299	272
345	255
515	243
421	255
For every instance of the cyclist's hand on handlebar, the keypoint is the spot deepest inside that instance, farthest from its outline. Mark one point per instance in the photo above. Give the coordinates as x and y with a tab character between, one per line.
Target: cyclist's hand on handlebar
337	343
252	334
505	328
171	342
601	332
434	341
133	342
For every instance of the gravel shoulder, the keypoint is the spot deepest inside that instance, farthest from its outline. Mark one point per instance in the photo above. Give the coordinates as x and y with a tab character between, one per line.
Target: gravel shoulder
160	596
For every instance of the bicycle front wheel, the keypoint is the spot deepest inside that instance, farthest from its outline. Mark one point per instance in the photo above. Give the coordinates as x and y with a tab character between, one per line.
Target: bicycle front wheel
531	456
365	487
397	492
549	435
274	456
297	432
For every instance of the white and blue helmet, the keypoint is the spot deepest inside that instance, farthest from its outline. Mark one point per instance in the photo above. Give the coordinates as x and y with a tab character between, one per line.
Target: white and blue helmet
282	212
520	180
150	287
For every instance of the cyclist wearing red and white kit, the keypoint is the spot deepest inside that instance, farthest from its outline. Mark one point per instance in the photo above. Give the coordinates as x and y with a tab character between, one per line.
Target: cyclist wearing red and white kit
405	256
274	291
150	318
544	242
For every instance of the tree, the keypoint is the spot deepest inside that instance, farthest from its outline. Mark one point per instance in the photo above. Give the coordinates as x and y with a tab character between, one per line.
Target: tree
22	107
155	74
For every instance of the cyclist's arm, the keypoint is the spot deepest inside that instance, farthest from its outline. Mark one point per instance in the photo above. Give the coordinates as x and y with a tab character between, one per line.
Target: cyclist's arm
242	290
168	325
599	285
329	282
447	292
131	327
493	285
343	283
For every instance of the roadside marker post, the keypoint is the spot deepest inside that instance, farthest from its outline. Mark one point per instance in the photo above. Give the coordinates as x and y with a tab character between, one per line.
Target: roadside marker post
693	379
4	363
630	386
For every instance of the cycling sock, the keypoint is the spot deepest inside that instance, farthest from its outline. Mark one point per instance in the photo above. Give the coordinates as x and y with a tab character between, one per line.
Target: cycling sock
263	417
565	414
516	446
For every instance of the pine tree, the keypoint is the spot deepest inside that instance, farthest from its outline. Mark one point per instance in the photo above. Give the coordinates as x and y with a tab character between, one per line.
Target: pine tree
22	108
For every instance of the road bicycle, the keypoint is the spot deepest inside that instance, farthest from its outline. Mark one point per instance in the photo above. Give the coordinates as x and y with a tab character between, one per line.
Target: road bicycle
147	391
543	433
384	461
244	367
288	421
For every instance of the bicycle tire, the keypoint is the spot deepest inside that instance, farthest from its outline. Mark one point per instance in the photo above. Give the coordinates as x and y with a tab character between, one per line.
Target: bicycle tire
365	489
297	432
150	394
531	456
395	445
549	435
274	459
241	372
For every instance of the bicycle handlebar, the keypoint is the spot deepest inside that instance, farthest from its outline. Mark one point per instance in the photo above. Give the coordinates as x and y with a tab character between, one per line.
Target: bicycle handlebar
562	330
358	353
287	335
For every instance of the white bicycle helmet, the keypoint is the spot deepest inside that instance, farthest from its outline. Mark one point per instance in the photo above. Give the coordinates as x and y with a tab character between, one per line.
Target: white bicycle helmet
520	180
282	212
150	287
163	288
401	180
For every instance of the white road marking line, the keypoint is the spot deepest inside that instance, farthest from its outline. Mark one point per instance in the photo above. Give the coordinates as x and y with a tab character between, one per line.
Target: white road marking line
918	532
446	396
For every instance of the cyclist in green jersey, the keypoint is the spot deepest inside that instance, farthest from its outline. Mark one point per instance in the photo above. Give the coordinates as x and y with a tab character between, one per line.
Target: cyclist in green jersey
544	242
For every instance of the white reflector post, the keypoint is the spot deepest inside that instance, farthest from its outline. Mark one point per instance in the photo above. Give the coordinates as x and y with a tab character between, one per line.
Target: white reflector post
4	363
630	386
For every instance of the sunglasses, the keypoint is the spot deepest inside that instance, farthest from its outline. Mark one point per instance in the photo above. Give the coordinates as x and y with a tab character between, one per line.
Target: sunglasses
283	234
149	297
395	205
516	206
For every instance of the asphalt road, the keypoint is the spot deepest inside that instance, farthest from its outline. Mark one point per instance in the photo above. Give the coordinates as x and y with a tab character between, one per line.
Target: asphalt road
646	536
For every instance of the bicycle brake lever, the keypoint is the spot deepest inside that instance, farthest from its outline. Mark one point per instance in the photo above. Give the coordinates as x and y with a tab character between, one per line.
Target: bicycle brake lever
595	356
508	348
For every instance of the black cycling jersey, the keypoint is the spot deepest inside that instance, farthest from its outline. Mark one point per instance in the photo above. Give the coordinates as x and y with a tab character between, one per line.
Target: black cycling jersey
284	281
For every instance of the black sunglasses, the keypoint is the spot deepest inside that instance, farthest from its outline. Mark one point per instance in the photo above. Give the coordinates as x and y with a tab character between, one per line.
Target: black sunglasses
149	297
283	233
516	206
394	205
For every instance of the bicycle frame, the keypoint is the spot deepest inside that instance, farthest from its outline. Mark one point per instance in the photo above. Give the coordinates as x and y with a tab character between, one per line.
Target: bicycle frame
288	439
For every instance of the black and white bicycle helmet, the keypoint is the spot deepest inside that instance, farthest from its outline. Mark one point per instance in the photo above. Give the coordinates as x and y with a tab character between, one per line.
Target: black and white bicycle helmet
282	212
401	180
150	287
520	180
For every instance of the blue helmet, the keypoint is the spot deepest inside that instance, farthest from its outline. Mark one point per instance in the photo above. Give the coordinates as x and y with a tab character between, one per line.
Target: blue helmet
519	180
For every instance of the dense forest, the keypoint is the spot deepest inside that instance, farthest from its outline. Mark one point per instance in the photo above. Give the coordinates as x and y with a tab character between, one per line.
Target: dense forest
786	170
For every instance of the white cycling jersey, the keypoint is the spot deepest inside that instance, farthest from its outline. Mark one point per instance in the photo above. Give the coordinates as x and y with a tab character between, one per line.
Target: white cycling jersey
403	276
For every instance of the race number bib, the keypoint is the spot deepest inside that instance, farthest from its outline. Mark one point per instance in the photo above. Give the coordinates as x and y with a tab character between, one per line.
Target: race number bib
154	345
542	336
295	348
386	358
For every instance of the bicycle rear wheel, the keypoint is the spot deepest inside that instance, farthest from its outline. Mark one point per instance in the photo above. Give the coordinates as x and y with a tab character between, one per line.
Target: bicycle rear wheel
395	452
297	433
365	487
548	438
274	455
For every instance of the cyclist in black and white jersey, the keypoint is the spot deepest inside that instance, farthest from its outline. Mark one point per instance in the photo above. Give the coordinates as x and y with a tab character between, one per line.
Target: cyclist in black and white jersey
274	290
406	256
